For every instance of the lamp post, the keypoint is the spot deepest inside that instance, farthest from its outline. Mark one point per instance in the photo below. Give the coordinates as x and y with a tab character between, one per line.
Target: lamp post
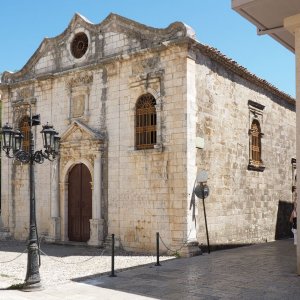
12	146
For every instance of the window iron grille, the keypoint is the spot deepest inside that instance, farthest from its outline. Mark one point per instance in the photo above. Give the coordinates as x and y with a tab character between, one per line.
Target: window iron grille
145	122
256	142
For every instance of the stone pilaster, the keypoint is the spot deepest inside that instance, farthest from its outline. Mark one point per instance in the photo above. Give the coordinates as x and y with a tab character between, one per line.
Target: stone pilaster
64	211
55	230
96	230
96	223
55	227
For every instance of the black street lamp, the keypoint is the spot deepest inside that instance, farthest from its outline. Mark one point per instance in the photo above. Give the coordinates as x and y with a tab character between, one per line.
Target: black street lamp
12	146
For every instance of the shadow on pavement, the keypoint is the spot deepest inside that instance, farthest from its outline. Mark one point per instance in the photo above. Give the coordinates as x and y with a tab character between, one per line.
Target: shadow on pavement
263	271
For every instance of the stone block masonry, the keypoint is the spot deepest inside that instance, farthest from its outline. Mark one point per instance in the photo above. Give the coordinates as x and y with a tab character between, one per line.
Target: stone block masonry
92	100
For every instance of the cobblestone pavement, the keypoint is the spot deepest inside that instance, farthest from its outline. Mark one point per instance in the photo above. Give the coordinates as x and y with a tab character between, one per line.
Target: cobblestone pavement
265	271
62	263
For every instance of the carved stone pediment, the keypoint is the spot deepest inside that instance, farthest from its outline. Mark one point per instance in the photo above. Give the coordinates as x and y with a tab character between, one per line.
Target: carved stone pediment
80	142
78	132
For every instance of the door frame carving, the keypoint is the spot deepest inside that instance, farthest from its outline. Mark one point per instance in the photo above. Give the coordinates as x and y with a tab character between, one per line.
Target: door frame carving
81	144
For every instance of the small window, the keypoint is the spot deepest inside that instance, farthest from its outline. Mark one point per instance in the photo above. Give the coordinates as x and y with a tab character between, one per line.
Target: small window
145	122
25	130
256	142
255	136
255	162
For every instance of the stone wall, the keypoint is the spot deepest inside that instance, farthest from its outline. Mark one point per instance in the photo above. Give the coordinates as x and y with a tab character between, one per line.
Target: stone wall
146	188
136	193
243	206
144	191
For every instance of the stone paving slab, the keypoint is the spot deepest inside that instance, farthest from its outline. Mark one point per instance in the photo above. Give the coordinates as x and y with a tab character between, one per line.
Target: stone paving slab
71	291
265	271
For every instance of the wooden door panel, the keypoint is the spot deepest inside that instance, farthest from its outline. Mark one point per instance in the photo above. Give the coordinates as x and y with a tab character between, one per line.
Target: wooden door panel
86	203
74	229
79	203
74	190
85	229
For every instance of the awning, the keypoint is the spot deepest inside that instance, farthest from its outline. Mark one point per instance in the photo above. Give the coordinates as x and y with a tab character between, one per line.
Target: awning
268	16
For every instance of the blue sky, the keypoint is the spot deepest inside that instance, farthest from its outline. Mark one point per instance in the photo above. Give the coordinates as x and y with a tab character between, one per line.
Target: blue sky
24	24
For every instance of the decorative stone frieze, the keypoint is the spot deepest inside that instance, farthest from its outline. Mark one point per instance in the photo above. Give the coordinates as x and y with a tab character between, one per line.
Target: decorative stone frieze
111	69
146	65
79	79
25	93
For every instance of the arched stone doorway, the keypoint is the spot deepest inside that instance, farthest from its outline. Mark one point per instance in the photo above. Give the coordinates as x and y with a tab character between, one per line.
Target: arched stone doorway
79	203
80	145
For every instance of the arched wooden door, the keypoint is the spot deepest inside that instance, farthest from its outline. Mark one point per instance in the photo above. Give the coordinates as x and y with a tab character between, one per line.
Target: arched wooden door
79	203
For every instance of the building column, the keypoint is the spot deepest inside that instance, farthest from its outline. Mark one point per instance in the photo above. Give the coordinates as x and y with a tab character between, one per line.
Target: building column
63	190
293	25
96	223
55	231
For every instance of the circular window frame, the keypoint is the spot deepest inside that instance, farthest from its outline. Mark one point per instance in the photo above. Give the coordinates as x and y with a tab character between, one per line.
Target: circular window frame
79	45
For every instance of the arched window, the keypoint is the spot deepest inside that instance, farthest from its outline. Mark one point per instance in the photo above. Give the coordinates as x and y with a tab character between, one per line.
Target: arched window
145	122
24	126
256	142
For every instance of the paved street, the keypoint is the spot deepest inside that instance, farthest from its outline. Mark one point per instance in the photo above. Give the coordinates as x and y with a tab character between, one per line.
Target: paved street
266	271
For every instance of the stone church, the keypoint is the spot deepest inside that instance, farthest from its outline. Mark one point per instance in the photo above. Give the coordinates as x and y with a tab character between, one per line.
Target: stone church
140	112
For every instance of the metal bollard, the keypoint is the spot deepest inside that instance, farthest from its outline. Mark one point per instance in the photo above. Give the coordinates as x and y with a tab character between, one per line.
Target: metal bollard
207	237
112	256
157	250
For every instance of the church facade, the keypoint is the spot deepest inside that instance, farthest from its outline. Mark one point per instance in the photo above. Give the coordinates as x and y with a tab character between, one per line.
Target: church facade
140	112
